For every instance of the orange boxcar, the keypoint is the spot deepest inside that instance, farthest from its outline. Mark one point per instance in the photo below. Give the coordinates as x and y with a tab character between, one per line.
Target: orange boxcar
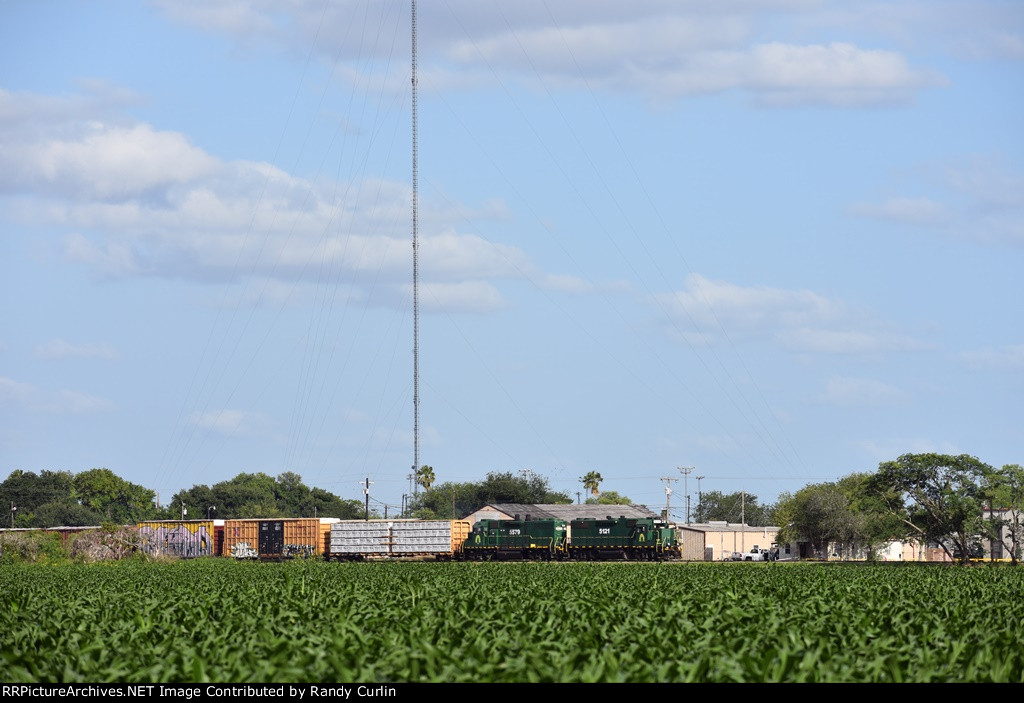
277	538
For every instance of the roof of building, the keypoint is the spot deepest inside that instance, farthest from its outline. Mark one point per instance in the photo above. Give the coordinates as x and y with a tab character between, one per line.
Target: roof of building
571	511
729	527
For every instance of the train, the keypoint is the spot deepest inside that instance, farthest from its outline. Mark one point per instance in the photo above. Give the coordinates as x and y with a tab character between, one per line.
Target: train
519	538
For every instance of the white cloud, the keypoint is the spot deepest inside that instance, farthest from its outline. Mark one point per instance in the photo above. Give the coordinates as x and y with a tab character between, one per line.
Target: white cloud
232	423
679	56
859	392
91	160
1009	46
660	49
75	403
893	448
15	392
1009	357
566	283
706	302
718	444
27	397
144	202
980	198
915	211
848	341
987	179
595	49
353	415
838	74
60	349
238	17
799	320
467	296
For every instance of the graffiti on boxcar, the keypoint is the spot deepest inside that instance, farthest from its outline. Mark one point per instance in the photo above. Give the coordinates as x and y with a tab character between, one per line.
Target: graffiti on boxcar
242	550
299	550
183	540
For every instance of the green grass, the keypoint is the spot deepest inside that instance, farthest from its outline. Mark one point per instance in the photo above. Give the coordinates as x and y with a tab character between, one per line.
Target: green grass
223	621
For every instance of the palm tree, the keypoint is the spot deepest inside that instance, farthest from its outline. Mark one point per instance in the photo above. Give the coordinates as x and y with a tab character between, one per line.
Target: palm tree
591	482
425	476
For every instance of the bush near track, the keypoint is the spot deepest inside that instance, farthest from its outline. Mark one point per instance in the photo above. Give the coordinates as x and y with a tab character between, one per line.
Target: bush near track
221	621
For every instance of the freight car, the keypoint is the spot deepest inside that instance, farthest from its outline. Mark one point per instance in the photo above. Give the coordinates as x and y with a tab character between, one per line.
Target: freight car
281	538
356	540
181	538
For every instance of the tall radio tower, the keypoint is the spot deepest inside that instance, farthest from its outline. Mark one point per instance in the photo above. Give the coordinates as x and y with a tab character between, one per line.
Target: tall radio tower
415	267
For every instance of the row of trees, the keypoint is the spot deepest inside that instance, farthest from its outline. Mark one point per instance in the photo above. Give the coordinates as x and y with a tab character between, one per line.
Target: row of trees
96	496
454	500
61	498
950	501
738	507
93	497
260	495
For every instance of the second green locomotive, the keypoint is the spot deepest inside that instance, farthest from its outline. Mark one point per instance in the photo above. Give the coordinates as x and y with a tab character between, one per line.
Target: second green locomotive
583	539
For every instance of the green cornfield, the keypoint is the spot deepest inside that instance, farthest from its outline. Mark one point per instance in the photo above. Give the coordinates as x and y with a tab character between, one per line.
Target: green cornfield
215	620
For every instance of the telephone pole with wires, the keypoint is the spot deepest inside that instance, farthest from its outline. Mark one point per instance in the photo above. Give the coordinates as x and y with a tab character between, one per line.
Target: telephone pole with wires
366	492
686	471
668	496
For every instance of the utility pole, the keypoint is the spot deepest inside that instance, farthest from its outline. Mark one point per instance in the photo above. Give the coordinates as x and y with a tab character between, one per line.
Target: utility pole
366	492
685	471
700	496
743	507
183	511
668	496
13	508
577	497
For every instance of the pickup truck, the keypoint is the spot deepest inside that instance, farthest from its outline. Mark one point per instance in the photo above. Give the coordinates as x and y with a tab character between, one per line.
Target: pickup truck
756	554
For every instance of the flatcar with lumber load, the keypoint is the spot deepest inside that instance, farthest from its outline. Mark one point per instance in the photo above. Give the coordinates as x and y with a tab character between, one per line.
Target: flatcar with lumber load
358	540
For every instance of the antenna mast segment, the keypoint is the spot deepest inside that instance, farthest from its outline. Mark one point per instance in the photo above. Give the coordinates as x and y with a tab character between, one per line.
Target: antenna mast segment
415	266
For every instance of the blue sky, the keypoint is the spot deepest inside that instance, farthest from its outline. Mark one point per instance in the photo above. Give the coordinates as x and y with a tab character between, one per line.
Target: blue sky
777	241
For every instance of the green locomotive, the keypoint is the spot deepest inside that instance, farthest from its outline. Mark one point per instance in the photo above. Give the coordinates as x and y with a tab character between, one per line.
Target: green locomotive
583	539
506	540
633	539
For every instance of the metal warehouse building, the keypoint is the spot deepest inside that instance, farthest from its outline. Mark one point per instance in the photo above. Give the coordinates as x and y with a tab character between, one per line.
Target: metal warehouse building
721	539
